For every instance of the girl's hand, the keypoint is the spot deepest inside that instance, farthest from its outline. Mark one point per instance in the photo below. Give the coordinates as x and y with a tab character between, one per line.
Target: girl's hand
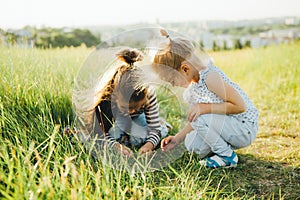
146	148
196	110
123	149
169	143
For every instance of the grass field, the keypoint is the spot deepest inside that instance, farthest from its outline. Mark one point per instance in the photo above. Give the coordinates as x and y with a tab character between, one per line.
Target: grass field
38	162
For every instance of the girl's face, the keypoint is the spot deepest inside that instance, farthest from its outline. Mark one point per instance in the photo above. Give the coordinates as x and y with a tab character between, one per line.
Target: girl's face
179	79
174	77
189	74
131	107
136	106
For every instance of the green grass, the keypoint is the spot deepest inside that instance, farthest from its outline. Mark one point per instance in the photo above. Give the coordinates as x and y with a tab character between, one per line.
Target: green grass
38	162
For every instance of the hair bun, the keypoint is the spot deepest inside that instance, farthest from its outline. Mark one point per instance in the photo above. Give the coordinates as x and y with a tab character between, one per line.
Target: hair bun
130	56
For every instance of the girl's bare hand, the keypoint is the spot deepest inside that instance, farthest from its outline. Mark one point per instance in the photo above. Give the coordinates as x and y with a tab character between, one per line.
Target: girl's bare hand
146	148
194	113
169	143
123	149
196	110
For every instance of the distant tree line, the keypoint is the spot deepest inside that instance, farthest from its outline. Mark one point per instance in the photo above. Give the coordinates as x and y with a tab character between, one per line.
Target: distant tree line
49	37
252	30
237	44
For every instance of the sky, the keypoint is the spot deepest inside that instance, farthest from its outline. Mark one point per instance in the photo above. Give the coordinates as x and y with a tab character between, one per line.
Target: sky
73	13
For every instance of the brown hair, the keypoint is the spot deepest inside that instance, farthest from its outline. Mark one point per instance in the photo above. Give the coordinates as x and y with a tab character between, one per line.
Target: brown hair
125	83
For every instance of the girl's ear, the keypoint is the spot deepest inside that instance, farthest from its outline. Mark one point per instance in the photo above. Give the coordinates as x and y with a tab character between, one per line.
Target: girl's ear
185	68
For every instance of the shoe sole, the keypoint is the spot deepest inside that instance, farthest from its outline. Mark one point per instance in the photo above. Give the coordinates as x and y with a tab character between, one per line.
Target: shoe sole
226	167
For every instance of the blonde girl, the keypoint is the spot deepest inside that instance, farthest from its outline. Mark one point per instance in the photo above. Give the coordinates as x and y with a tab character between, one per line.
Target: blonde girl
221	118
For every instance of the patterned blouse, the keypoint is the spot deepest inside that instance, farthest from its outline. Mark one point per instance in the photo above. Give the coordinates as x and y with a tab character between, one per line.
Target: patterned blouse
199	93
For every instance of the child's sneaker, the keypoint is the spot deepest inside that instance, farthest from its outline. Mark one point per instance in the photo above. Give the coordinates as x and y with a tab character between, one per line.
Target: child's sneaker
217	161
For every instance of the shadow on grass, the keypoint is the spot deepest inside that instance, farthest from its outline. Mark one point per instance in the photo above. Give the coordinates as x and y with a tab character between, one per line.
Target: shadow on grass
252	178
265	179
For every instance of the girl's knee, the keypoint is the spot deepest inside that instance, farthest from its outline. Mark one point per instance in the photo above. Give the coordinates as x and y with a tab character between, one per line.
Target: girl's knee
209	119
194	143
200	123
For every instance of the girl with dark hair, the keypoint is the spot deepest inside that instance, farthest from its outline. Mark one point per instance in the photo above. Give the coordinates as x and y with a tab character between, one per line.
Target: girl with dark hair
127	115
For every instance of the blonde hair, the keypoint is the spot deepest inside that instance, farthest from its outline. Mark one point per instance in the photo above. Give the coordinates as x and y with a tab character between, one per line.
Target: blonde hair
174	53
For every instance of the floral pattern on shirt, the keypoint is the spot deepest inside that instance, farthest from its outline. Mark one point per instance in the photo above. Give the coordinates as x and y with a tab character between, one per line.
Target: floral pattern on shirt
199	93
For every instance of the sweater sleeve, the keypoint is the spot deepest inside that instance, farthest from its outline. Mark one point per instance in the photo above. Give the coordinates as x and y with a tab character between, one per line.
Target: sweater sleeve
152	118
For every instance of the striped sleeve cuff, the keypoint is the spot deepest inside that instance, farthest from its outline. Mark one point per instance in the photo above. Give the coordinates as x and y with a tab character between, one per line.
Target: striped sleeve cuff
154	138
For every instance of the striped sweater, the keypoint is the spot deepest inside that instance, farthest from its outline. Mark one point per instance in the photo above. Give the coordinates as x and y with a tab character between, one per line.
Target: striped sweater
105	118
